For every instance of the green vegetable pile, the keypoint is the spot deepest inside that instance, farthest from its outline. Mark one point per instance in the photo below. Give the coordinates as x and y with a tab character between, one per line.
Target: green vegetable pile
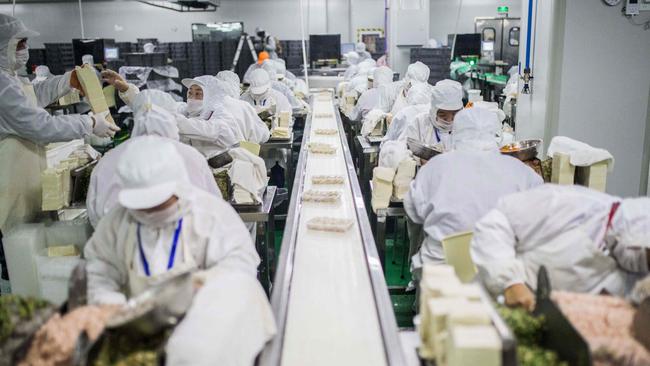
528	331
121	348
15	309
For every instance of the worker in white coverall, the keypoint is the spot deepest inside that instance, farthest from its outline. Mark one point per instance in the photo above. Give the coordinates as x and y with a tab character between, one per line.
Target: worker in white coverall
153	116
435	128
25	127
369	99
352	58
263	97
164	226
455	189
232	78
588	241
269	66
419	102
360	49
393	96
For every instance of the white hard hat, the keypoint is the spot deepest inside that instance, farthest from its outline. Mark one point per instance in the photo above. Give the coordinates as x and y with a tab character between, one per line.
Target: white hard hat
475	127
448	95
151	171
260	82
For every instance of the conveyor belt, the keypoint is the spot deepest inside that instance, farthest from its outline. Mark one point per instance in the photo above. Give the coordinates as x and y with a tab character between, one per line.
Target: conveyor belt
330	299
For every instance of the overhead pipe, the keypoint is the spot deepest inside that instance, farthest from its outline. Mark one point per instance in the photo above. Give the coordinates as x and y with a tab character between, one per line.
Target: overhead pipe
304	51
81	20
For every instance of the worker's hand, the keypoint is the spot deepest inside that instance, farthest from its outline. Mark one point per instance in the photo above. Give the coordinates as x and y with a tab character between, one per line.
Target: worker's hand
520	295
116	80
75	83
101	126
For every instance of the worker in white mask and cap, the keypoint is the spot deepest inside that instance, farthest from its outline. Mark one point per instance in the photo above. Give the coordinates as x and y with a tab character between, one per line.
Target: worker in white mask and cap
25	127
163	225
263	97
153	116
393	95
270	68
454	190
588	241
419	102
434	128
369	99
223	96
194	105
232	78
352	59
360	49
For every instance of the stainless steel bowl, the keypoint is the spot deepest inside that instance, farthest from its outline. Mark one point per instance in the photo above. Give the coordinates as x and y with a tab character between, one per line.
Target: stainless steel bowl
523	150
421	150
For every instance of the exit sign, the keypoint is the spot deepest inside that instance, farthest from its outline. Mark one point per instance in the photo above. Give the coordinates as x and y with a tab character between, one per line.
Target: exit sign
502	10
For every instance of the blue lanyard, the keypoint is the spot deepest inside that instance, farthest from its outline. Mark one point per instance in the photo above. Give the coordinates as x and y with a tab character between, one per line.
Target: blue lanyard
172	255
437	136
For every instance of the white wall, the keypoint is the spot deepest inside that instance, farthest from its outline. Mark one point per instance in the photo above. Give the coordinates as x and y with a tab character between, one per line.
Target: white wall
129	20
443	15
597	78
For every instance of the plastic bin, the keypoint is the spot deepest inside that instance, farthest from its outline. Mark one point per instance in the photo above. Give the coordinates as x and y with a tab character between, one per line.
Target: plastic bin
24	243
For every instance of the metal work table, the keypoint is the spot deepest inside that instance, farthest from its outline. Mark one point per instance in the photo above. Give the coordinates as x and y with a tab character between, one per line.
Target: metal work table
281	144
265	241
367	159
329	298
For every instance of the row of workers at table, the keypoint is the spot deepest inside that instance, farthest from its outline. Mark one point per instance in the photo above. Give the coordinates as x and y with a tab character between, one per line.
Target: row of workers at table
589	241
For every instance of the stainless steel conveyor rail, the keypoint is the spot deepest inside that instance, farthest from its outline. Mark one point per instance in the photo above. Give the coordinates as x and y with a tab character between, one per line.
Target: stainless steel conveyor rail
330	298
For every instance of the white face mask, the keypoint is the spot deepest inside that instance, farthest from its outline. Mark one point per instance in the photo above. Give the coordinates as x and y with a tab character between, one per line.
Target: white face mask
22	56
158	218
194	105
443	125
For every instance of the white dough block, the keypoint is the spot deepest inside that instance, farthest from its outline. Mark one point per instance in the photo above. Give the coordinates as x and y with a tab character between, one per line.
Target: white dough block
321	196
435	323
281	132
93	90
331	224
474	345
327	179
285	118
403	178
321	148
562	171
53	189
326	131
382	187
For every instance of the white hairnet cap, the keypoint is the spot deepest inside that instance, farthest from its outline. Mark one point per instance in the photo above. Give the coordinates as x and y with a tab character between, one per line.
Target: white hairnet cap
475	129
153	114
448	95
145	98
42	72
392	154
88	59
151	170
268	66
352	58
492	107
214	93
260	82
359	84
419	93
199	81
360	47
280	69
149	47
229	76
631	223
11	28
418	72
382	76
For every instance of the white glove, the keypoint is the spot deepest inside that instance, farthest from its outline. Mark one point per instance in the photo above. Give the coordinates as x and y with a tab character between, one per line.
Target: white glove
101	127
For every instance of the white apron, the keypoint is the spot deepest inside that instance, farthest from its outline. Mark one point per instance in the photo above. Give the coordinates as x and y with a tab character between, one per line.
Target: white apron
139	283
21	164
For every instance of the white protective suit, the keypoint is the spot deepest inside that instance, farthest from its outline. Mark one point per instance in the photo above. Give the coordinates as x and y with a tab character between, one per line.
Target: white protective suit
25	127
419	101
393	96
564	228
369	99
222	96
454	190
262	97
105	184
446	95
131	249
269	66
360	49
229	323
353	60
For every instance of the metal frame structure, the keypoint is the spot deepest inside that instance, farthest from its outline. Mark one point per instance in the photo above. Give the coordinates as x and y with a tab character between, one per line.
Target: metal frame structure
183	7
272	355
